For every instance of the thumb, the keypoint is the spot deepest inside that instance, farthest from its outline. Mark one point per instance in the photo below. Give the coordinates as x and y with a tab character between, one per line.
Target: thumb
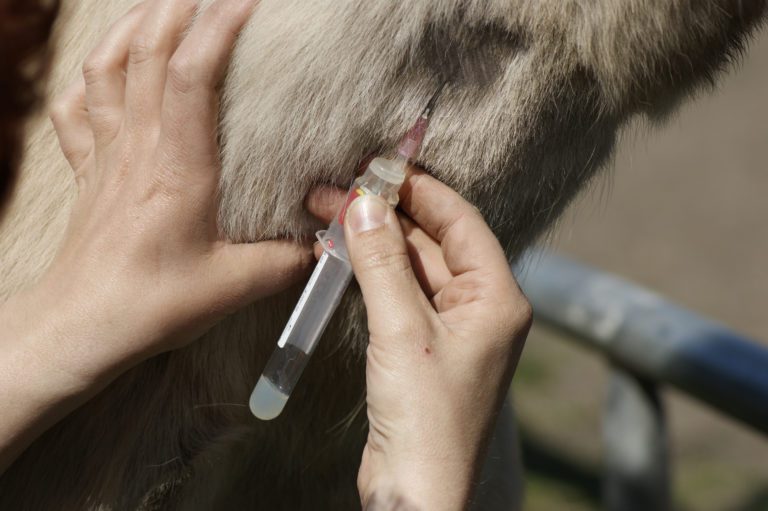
379	257
250	271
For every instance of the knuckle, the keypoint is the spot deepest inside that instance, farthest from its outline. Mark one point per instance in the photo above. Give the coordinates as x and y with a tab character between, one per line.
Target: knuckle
474	210
70	154
217	10
519	315
524	316
461	221
392	262
459	294
378	255
502	336
142	49
181	75
471	216
221	15
59	110
93	69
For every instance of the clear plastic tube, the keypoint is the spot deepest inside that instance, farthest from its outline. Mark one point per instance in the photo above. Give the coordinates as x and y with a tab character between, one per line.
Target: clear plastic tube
316	306
321	296
326	286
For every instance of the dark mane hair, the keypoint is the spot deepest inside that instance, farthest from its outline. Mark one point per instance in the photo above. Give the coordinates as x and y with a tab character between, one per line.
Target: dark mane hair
25	26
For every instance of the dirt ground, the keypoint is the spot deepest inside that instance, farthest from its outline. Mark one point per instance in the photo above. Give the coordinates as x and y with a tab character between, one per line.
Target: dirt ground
682	211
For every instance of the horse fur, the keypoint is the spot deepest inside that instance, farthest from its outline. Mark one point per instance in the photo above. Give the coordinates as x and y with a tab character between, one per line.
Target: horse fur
537	91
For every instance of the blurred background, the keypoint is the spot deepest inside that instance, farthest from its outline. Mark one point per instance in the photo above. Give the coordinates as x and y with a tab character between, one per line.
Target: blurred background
683	211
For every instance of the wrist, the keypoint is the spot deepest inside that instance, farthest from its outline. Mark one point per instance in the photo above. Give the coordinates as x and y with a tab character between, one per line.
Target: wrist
61	335
425	464
412	481
49	365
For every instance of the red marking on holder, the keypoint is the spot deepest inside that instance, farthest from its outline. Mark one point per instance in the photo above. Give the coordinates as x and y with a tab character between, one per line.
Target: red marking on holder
354	193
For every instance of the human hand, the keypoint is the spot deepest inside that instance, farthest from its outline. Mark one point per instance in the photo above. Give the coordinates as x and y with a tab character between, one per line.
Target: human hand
447	324
142	268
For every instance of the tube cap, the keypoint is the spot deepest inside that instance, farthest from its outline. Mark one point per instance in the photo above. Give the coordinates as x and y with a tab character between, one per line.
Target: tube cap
391	171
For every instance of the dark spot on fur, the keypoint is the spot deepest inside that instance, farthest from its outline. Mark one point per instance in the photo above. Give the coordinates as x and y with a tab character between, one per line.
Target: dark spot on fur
473	59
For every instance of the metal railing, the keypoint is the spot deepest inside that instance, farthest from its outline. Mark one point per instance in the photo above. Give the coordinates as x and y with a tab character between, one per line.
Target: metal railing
649	342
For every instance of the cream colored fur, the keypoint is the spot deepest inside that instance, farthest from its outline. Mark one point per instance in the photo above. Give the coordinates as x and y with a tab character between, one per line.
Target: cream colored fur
537	94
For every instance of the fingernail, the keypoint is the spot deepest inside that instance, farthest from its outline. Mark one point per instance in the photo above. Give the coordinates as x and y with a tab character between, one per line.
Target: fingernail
366	212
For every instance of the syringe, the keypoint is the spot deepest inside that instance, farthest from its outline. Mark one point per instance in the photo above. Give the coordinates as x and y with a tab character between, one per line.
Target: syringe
330	279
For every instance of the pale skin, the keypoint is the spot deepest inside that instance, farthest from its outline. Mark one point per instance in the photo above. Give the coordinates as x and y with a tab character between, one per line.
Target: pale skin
447	323
142	268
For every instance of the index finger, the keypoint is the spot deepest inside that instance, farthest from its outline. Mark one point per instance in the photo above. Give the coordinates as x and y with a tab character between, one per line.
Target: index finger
468	243
190	109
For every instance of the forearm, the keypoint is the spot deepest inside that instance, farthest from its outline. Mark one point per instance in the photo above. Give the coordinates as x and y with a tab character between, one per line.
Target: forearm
29	408
390	502
51	362
421	471
430	488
